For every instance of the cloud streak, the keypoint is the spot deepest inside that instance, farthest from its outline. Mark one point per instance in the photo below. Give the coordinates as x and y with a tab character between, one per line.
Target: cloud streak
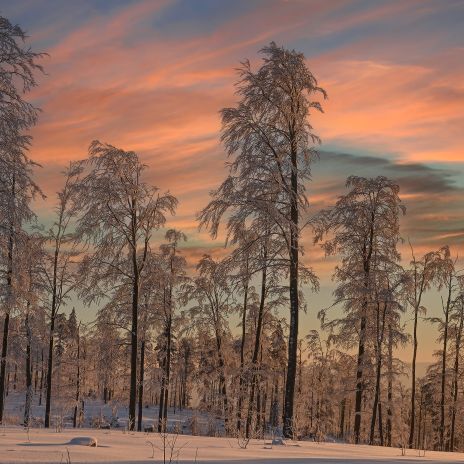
151	76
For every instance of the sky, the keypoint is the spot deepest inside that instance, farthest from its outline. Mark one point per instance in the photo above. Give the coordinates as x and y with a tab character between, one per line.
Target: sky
152	76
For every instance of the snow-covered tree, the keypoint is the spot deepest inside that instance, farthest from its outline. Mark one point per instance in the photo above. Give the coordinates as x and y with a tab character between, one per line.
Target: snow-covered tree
18	65
271	145
167	278
212	294
118	214
451	282
60	277
422	274
30	296
364	228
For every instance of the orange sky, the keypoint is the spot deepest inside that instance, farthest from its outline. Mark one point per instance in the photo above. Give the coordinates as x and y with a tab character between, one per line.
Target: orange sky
151	76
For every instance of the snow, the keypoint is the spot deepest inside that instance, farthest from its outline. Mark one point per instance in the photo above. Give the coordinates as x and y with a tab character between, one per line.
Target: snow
116	446
115	412
84	441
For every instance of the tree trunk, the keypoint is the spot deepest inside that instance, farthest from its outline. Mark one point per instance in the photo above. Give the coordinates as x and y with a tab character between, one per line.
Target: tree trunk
417	302
78	381
419	421
222	380
342	419
456	378
36	371
183	397
380	424
52	334
254	361
6	324
168	370
174	399
162	396
27	406
48	393
142	371
379	336
413	380
294	303
443	369
242	357
359	381
42	375
389	387
134	340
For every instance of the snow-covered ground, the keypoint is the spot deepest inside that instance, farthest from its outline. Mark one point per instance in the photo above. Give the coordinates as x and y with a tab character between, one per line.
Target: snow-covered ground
116	446
113	412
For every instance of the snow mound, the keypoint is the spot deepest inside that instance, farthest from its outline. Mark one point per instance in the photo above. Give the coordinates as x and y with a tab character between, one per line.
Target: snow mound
278	441
84	441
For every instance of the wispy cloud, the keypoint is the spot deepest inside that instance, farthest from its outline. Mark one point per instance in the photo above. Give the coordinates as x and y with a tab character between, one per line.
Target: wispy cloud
151	76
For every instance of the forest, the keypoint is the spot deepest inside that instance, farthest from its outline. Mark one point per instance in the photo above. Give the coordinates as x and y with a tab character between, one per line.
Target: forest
221	336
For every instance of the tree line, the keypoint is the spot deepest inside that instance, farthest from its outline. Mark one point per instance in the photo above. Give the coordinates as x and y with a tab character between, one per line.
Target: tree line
218	338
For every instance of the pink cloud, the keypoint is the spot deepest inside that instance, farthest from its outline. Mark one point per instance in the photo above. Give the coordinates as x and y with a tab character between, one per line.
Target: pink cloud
115	79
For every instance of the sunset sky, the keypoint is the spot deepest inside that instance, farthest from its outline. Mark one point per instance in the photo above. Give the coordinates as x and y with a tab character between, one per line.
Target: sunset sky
151	76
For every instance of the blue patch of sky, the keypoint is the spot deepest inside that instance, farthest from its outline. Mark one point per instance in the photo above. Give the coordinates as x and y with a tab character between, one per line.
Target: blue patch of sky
456	171
185	17
59	17
388	31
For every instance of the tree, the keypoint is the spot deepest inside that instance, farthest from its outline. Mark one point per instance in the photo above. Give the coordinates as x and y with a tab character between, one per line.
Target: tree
214	302
449	280
457	318
422	274
32	257
118	214
257	252
388	297
240	260
271	142
365	228
167	275
59	269
18	64
270	297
